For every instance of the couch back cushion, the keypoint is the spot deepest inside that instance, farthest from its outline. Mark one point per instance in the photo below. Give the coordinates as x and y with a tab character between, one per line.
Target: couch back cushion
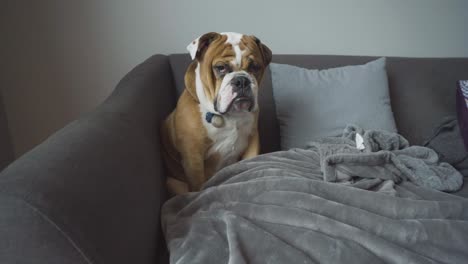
422	91
312	104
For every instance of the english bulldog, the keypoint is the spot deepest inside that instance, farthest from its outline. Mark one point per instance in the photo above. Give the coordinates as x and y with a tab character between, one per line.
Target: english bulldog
215	121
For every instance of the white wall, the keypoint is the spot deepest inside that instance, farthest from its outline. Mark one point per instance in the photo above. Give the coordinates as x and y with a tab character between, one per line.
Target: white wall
62	58
415	28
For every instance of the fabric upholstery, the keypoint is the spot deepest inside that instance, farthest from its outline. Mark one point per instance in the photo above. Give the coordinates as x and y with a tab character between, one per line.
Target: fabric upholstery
96	186
28	236
312	104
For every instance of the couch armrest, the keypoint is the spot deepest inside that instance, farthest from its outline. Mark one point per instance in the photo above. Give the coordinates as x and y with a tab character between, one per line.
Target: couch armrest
96	184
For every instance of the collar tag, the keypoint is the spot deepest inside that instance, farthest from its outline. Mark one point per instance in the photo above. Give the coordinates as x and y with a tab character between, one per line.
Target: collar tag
214	119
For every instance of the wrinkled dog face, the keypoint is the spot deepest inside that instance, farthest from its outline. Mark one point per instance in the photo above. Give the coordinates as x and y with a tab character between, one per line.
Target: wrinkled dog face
230	68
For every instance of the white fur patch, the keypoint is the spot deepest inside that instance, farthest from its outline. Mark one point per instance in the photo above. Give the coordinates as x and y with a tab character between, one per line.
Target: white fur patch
193	47
234	39
239	53
200	89
231	140
226	93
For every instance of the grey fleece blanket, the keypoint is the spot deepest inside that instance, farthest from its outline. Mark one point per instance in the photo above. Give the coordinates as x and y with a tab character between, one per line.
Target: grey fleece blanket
374	201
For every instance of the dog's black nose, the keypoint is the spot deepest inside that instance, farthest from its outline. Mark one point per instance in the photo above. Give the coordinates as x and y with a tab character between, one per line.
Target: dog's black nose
240	82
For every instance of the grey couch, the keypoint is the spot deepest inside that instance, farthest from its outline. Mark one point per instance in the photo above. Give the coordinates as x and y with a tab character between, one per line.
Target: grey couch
92	192
6	149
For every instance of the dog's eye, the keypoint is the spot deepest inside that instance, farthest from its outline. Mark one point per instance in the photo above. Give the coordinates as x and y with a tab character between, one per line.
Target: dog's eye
254	67
222	69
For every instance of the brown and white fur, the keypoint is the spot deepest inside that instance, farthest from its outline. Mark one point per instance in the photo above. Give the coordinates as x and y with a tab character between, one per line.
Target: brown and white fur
222	79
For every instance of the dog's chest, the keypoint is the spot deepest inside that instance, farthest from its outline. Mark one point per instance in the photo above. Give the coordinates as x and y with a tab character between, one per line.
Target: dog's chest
231	140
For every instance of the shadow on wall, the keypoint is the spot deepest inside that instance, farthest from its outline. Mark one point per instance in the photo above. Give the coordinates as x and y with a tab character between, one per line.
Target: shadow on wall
60	62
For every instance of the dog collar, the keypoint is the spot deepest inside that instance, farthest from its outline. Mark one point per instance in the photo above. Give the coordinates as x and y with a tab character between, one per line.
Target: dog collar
214	119
209	117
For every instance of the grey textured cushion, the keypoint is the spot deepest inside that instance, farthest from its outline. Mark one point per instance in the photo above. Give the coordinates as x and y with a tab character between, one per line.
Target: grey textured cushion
312	104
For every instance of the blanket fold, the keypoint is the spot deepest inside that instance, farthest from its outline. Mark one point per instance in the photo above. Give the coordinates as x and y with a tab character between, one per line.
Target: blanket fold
386	156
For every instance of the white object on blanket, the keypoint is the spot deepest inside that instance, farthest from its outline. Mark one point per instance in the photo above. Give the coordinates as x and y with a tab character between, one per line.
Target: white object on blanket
359	142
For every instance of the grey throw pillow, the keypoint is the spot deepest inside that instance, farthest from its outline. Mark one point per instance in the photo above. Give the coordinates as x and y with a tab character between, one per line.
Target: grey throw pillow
312	104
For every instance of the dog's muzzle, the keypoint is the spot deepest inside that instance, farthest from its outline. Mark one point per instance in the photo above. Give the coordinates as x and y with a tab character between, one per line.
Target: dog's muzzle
243	102
236	95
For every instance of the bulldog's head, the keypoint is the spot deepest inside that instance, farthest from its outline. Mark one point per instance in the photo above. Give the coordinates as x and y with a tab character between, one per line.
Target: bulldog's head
227	68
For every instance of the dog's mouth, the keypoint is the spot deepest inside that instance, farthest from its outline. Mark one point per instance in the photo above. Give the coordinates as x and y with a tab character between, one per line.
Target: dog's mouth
241	104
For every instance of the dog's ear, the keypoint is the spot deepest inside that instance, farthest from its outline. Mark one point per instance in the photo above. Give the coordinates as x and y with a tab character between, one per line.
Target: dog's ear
266	52
197	47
